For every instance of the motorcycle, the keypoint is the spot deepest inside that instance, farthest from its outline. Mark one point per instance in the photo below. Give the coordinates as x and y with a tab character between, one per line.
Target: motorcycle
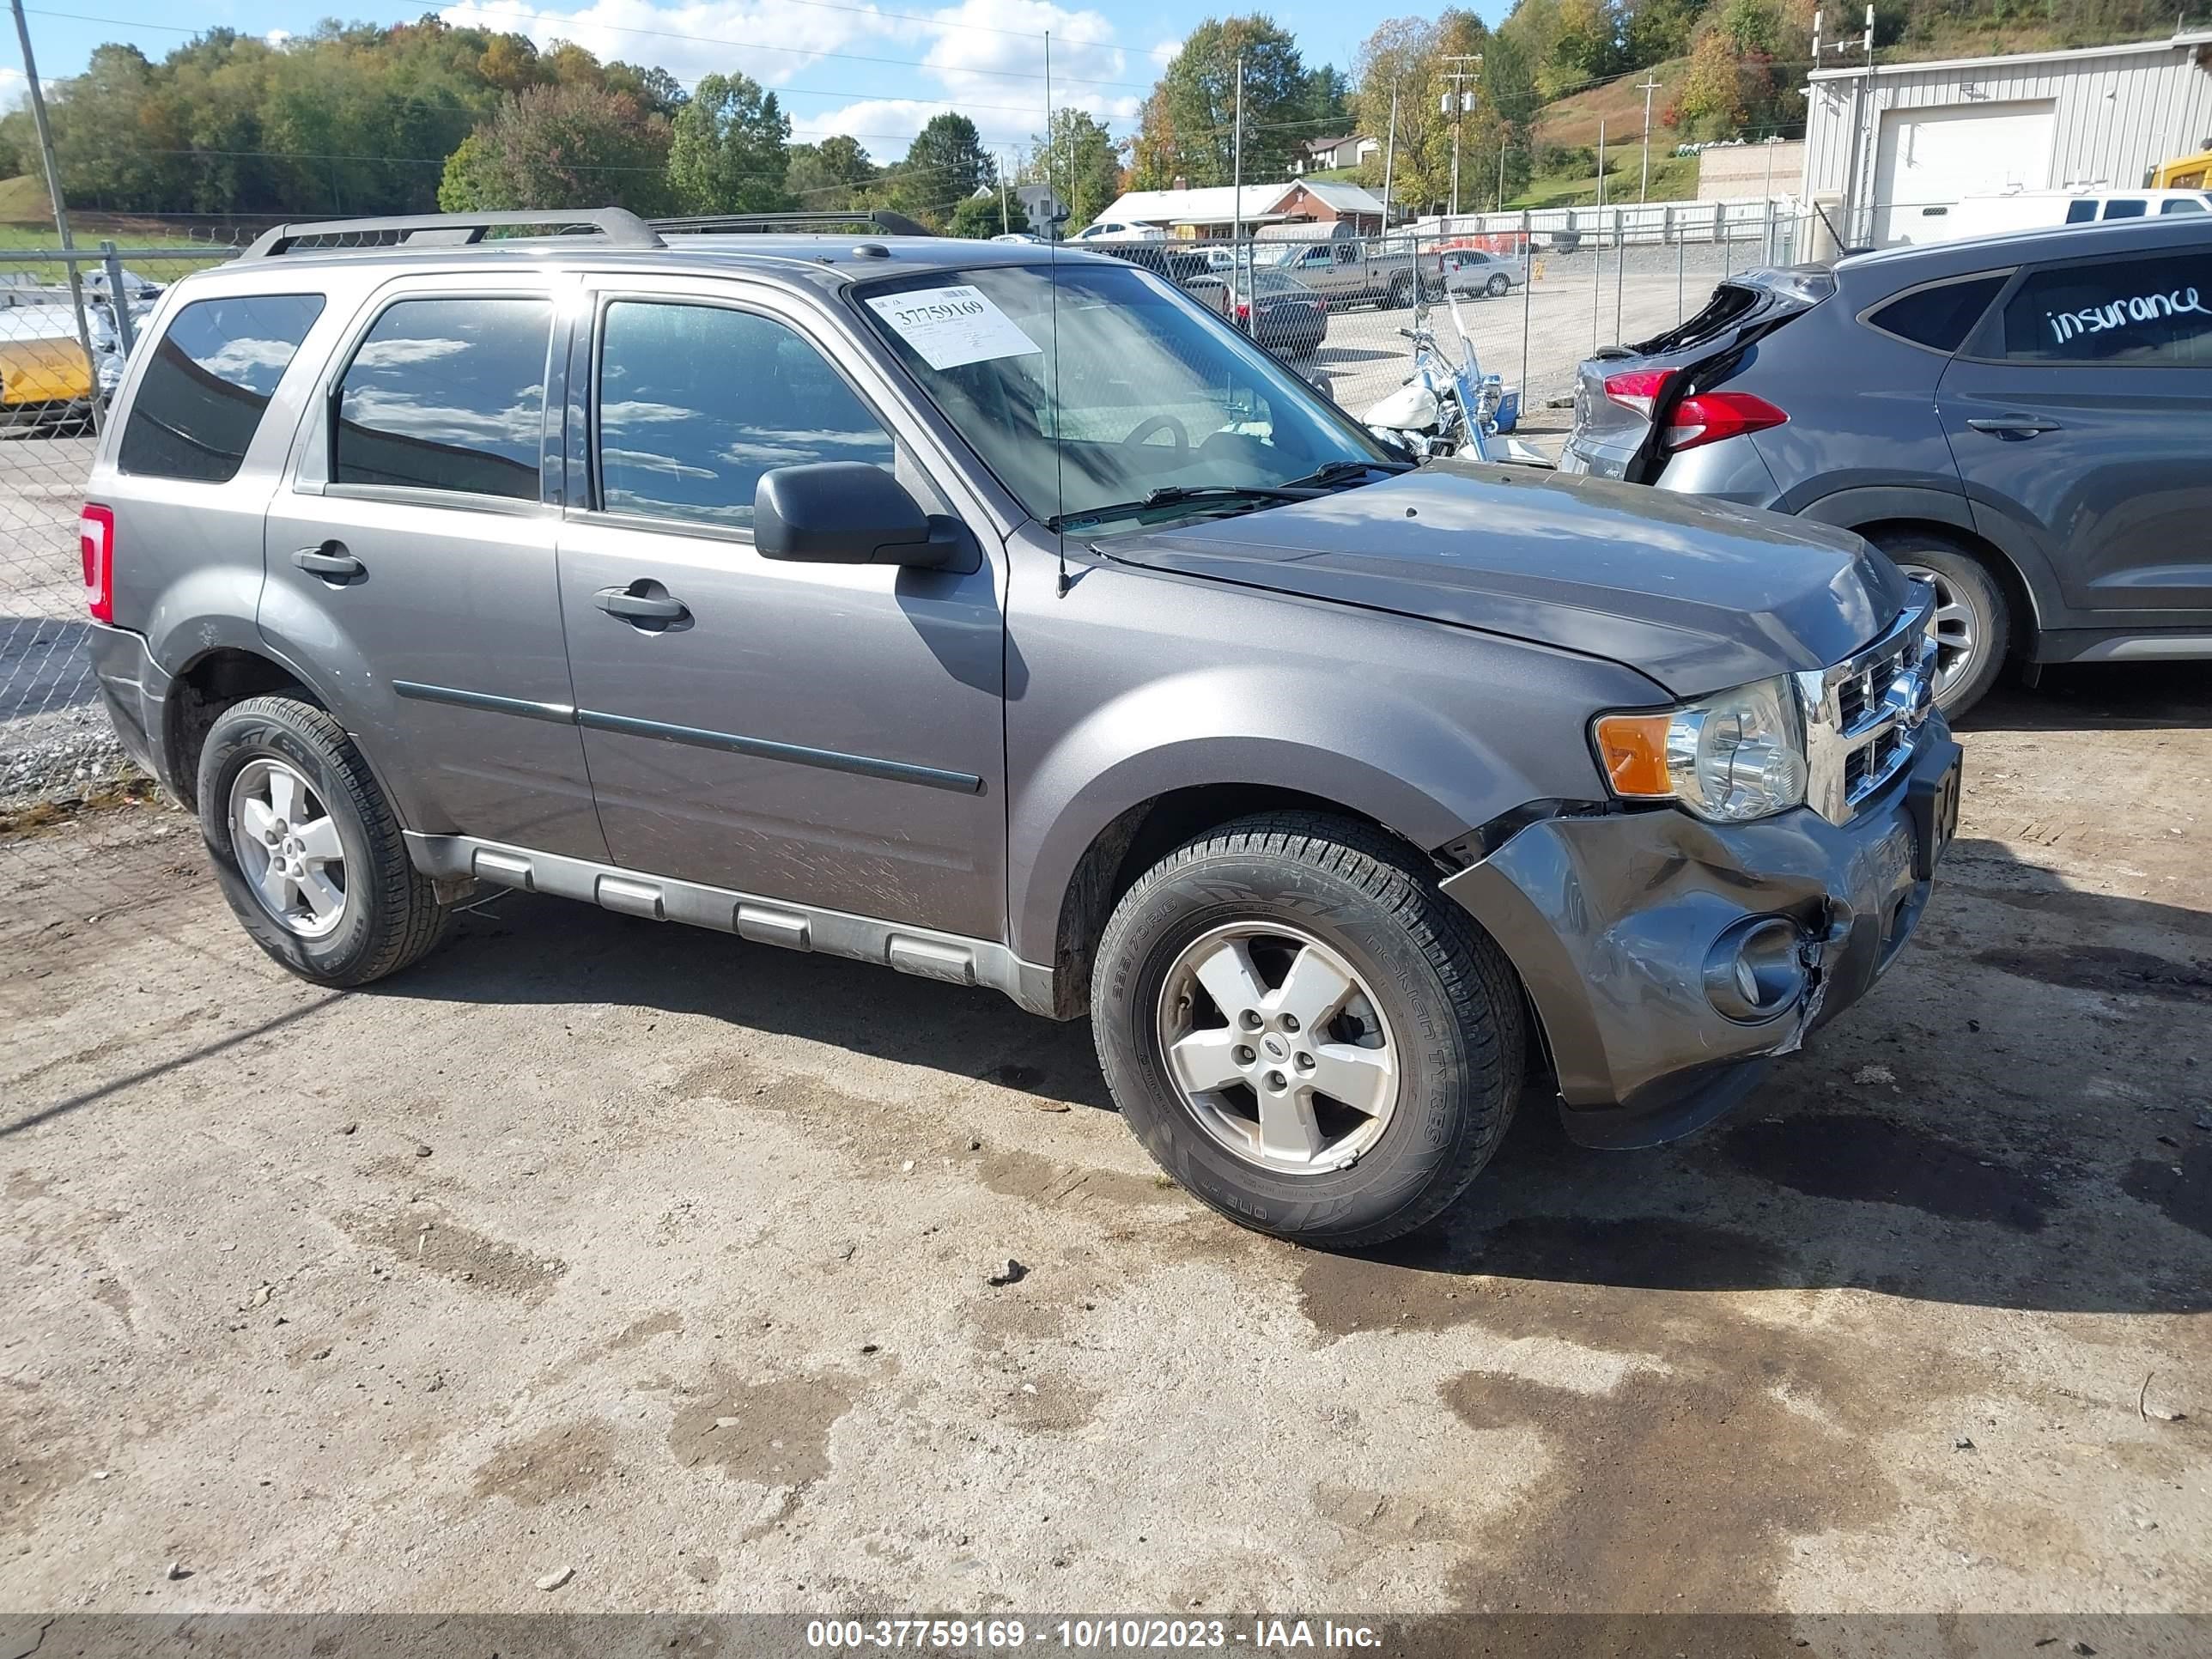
1446	407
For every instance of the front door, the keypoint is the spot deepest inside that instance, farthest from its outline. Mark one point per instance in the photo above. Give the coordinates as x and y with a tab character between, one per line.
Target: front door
2077	414
828	735
412	562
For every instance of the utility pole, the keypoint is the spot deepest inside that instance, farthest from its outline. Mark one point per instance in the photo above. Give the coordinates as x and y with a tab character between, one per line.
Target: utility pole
60	208
1004	226
1235	190
1501	169
1644	190
1455	103
1390	157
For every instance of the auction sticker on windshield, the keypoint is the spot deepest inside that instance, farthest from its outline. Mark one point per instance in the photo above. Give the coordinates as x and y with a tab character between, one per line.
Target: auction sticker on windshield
949	326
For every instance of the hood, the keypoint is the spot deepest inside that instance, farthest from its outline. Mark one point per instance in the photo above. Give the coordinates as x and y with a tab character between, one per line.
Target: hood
1699	596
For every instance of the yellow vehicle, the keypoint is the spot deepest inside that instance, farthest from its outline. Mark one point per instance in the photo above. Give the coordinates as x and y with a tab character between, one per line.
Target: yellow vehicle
45	376
2184	172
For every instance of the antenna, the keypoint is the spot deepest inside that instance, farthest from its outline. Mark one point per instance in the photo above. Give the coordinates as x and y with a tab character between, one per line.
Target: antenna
1052	267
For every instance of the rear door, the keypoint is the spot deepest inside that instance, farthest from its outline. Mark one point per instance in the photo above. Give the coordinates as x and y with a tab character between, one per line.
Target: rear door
2078	416
411	559
831	735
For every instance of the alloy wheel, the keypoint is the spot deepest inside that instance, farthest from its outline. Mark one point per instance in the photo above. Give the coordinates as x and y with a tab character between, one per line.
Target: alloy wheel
1957	635
1277	1049
287	845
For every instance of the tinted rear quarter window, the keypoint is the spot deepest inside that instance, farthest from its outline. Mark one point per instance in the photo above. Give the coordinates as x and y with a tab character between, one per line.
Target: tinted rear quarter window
2124	207
2145	312
208	382
1938	317
446	394
2080	213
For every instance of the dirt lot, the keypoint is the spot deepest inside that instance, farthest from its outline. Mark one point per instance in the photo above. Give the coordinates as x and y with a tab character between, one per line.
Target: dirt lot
598	1245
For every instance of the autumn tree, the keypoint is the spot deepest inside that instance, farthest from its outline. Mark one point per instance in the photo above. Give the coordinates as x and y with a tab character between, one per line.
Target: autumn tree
1732	87
561	147
1186	129
726	150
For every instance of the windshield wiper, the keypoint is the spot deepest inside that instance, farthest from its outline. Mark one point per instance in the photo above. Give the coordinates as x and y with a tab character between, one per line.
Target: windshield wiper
1175	494
1343	472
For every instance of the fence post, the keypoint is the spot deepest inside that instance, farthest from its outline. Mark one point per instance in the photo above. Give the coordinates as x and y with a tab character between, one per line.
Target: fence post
1528	296
118	302
1619	272
1766	234
61	209
1597	274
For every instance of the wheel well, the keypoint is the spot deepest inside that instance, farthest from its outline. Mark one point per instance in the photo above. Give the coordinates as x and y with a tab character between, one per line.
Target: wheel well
1137	839
200	694
2017	598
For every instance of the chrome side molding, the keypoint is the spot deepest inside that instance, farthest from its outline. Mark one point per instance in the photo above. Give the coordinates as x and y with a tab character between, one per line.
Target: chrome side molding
921	951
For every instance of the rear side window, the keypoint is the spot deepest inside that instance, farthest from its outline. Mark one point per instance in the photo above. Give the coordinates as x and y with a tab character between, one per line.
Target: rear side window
2150	312
208	382
1939	318
2124	207
446	394
2181	204
696	402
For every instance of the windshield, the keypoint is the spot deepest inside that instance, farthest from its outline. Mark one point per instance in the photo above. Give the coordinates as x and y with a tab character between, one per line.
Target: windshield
1144	392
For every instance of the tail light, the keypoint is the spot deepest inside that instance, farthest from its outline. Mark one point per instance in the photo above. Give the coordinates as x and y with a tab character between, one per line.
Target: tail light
1320	304
1637	389
96	544
1244	312
1706	418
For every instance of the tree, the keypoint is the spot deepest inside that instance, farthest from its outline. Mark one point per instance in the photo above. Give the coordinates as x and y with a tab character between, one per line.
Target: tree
831	175
1187	130
979	217
945	163
1079	160
1731	86
726	151
561	147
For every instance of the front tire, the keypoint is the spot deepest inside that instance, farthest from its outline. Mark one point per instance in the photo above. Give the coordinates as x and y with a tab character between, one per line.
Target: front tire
1304	1032
1973	623
1401	293
1497	287
307	848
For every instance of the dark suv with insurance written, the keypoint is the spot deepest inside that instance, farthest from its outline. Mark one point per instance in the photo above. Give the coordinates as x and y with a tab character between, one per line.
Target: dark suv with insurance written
995	614
2023	421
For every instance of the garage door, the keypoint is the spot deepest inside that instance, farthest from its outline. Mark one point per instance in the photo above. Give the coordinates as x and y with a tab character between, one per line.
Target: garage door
1930	158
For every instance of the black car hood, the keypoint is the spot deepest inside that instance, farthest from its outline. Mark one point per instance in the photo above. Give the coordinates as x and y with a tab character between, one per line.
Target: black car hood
1699	596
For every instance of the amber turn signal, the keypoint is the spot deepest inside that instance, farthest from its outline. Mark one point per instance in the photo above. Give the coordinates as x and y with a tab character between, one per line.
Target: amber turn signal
1632	748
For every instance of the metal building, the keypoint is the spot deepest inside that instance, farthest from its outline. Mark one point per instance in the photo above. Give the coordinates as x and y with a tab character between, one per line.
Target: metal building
1895	146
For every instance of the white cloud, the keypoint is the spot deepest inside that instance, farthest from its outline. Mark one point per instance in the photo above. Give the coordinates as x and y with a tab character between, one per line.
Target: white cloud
278	39
1164	52
898	64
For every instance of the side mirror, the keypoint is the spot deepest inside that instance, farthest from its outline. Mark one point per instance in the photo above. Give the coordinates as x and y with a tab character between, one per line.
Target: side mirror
850	513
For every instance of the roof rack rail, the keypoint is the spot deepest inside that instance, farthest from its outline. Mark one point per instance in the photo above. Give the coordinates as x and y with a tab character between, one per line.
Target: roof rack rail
880	220
616	227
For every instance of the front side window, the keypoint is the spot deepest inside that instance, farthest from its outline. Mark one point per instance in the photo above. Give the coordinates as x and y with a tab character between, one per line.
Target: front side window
2080	213
696	402
449	395
2153	312
1094	392
208	382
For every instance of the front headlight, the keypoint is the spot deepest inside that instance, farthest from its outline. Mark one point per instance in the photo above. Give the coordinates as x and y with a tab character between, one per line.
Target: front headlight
1731	757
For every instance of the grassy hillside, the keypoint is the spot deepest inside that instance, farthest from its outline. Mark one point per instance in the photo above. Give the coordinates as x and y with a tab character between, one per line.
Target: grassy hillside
23	199
1673	178
1573	120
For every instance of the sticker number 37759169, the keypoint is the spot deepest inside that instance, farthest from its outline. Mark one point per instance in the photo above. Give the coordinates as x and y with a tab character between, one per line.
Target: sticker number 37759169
949	326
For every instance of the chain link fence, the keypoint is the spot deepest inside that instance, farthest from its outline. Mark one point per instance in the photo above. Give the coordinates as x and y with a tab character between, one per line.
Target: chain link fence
62	351
1537	293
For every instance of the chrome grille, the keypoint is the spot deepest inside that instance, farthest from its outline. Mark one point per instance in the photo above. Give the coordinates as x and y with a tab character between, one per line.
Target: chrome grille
1863	716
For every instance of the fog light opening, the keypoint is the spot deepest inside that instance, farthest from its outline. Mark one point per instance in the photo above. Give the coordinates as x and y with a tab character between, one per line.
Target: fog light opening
1755	970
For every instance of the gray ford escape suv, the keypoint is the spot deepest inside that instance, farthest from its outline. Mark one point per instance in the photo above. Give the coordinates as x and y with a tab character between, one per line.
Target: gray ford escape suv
996	614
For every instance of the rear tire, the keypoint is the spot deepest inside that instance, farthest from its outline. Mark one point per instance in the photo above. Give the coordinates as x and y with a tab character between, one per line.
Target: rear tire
1401	293
1973	622
283	789
1306	1140
1495	287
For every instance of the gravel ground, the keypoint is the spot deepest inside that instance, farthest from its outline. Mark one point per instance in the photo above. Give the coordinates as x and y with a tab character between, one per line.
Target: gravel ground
681	1268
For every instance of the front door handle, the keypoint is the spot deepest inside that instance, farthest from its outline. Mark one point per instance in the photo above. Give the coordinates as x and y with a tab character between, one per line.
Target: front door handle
2027	425
663	608
330	562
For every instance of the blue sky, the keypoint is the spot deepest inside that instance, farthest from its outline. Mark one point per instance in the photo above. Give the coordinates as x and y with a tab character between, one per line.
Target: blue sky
875	69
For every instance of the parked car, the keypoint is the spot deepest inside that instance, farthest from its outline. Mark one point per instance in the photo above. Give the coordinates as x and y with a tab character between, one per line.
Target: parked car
1471	270
1115	230
1346	270
2036	209
1280	313
2022	421
1001	617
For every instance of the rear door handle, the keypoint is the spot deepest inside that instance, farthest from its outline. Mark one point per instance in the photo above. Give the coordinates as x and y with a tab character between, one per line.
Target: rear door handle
2028	424
330	562
641	607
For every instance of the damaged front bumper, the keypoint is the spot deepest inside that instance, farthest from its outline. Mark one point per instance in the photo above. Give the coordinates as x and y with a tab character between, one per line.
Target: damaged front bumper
1670	960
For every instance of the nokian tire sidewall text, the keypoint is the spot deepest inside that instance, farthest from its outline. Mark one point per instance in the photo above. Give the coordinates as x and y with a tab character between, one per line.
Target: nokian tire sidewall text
1442	989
